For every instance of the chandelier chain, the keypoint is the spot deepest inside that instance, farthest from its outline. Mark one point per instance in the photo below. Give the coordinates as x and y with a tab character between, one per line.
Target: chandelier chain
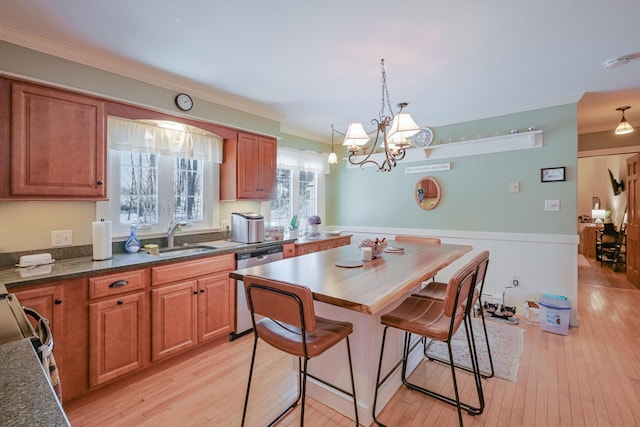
385	94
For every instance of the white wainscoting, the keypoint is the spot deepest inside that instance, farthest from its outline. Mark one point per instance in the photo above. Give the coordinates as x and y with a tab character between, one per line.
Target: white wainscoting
543	263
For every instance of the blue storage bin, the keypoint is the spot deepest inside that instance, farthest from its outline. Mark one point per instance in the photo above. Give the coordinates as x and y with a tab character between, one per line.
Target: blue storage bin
554	313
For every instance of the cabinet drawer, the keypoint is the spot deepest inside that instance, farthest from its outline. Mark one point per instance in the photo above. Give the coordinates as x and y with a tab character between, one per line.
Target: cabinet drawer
164	274
115	284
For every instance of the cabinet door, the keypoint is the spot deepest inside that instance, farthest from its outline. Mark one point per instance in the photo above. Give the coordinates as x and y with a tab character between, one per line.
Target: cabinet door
267	157
47	301
174	319
57	143
215	303
256	168
288	250
248	184
116	335
63	305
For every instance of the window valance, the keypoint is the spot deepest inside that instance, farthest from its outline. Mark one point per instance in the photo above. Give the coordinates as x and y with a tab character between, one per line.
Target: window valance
163	137
307	160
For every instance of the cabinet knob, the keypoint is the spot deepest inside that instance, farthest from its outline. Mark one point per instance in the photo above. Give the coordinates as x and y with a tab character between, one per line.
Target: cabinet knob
202	291
100	182
58	301
120	302
195	292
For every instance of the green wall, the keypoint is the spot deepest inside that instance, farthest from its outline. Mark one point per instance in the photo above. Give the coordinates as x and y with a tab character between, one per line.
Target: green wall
476	194
476	191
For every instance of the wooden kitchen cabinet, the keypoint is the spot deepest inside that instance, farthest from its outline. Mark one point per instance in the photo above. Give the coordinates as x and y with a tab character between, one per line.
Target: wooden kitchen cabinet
118	325
288	250
57	145
117	331
248	171
192	302
63	304
309	246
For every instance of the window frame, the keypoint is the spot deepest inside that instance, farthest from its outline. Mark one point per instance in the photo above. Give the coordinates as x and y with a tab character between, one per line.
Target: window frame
211	198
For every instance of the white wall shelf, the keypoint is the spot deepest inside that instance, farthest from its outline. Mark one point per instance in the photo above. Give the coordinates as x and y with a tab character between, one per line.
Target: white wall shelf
472	147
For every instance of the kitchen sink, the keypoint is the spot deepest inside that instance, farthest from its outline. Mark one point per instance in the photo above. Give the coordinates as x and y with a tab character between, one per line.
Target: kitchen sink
185	250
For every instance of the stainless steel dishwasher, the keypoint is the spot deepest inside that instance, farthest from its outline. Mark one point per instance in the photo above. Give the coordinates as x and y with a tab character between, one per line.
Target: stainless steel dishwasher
260	255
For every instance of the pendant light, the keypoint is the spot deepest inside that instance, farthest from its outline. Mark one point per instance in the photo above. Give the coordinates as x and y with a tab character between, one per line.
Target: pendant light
333	159
624	127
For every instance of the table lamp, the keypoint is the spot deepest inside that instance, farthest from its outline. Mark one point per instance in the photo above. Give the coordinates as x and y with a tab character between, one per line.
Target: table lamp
598	215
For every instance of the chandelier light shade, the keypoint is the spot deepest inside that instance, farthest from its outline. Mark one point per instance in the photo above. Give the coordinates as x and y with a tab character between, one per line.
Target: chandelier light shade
624	127
333	159
356	137
392	134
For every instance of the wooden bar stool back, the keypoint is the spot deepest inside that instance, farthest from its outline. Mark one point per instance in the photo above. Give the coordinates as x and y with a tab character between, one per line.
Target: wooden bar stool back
287	321
417	239
437	320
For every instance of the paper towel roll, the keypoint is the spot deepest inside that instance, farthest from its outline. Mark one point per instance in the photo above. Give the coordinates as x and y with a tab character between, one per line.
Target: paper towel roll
101	240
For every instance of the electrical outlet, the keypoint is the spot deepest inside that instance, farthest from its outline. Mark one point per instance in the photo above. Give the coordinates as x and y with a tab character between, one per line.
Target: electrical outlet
61	238
225	224
515	187
516	281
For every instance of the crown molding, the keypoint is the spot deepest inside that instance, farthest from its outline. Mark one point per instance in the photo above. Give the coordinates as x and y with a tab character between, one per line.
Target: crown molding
129	68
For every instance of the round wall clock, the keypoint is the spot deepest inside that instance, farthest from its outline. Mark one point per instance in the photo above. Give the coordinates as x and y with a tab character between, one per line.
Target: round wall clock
184	102
422	138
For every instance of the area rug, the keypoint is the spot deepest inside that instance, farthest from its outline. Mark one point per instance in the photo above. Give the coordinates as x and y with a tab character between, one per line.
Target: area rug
507	345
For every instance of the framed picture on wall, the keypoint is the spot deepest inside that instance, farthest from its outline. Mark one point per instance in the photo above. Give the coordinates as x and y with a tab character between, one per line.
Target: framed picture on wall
552	174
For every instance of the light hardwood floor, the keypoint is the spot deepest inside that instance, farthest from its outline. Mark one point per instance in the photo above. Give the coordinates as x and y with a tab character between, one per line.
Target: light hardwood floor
589	378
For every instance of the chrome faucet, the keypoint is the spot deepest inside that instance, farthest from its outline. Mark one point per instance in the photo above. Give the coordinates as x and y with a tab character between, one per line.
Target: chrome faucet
171	231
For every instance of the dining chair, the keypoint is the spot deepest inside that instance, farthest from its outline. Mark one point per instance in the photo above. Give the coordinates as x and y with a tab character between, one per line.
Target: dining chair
437	320
437	290
283	316
400	238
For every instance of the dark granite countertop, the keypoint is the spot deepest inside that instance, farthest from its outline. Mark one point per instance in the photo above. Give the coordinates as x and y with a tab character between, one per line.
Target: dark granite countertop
14	277
26	396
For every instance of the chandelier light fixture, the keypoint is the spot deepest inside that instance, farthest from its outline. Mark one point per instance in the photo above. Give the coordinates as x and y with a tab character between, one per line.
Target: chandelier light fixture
333	159
393	132
624	127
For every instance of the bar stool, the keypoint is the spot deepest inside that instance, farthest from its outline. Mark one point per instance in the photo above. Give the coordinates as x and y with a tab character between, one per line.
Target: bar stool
437	320
437	290
289	324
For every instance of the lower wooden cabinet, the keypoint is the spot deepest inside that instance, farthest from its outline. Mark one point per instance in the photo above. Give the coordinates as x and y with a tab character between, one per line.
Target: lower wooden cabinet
117	330
173	319
191	302
118	325
107	326
63	304
288	250
307	247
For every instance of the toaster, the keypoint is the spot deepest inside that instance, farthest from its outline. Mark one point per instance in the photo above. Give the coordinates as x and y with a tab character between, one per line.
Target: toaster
247	227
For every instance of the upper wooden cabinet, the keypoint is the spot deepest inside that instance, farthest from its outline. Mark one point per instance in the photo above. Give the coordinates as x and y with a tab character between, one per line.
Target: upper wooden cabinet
57	146
248	171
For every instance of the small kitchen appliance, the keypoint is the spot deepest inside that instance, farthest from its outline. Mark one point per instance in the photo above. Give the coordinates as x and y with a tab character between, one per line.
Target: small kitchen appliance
247	227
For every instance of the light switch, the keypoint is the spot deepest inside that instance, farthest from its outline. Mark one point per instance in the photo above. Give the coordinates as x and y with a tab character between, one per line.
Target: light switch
552	205
515	187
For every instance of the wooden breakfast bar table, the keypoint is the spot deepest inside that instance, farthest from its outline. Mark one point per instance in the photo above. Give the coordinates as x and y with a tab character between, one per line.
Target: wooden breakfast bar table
359	295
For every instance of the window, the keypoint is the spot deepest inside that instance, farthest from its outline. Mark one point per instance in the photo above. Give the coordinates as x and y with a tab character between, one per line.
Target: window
299	187
152	182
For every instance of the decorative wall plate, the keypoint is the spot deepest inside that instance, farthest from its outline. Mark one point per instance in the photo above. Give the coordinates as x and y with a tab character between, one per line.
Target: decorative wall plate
422	138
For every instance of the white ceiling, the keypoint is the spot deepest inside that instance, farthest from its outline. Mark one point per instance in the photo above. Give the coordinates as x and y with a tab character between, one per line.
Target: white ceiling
313	64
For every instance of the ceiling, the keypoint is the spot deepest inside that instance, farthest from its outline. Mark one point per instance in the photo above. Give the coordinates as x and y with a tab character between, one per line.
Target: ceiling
313	64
